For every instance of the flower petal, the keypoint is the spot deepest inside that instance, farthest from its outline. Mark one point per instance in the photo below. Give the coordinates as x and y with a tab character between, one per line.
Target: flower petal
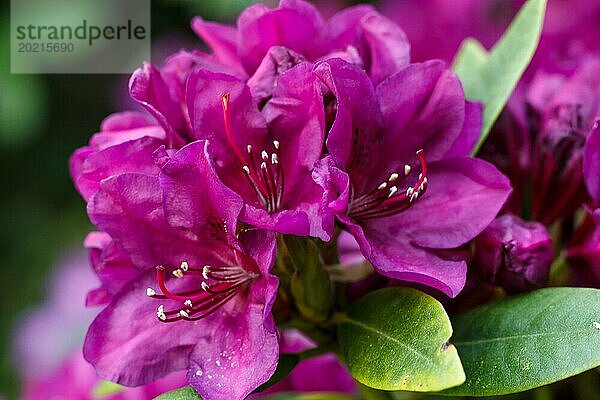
423	107
193	196
127	344
243	349
295	24
395	257
463	196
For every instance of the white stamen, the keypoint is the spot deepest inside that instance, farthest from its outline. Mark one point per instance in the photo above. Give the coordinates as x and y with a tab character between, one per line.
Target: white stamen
420	176
184	314
414	196
276	144
205	286
178	273
393	191
150	292
246	169
184	266
160	313
410	191
264	155
393	177
382	186
263	165
205	271
249	149
274	159
407	169
188	303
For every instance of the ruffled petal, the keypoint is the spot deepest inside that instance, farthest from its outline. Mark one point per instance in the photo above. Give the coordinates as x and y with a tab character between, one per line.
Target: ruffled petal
295	24
423	107
463	196
395	257
127	344
243	347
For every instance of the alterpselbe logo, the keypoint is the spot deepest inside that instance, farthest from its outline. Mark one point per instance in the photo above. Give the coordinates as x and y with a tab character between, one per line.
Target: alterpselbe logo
79	36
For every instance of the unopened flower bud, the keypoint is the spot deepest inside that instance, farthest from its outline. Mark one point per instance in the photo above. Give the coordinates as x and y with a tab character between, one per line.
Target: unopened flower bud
514	254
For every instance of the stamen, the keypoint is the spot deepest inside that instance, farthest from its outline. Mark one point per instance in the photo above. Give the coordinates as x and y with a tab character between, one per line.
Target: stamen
379	203
220	285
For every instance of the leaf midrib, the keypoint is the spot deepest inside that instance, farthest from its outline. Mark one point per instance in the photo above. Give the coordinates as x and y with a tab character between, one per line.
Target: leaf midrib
529	335
387	336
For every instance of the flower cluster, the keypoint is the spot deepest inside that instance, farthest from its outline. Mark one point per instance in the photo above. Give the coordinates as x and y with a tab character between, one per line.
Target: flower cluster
324	131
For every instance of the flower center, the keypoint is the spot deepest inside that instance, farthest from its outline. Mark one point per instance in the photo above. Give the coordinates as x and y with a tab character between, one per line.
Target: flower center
219	285
263	173
386	199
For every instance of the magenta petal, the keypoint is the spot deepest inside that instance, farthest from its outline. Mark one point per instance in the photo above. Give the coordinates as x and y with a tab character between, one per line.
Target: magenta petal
194	197
128	345
296	25
296	119
388	47
394	257
222	39
591	164
423	107
470	133
264	81
131	156
463	196
243	350
147	87
129	208
356	130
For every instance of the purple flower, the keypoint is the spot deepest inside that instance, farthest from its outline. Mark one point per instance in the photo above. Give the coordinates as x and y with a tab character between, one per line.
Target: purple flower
324	373
401	180
212	315
59	370
567	109
75	379
125	143
514	254
357	34
265	154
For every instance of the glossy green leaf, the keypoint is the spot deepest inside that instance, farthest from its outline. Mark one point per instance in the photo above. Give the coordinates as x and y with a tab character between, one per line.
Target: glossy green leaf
308	396
528	341
285	365
185	393
397	339
107	388
491	77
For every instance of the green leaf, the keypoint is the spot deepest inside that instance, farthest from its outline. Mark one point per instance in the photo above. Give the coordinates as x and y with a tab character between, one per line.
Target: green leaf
185	393
285	365
107	388
491	77
528	341
397	339
308	396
